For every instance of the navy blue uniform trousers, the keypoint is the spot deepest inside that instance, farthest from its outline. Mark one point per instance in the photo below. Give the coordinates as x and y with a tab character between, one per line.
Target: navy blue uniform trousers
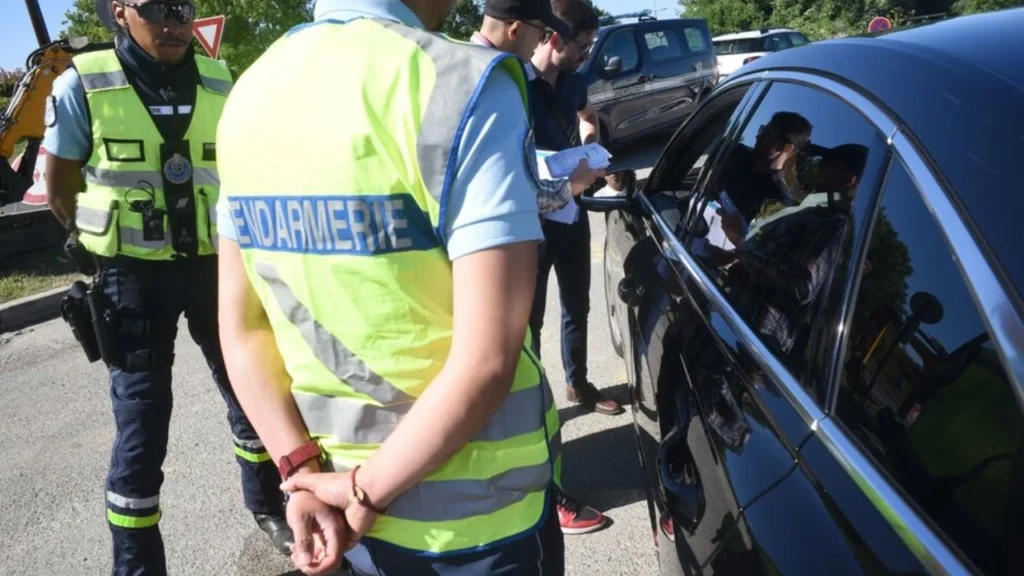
540	552
147	299
566	248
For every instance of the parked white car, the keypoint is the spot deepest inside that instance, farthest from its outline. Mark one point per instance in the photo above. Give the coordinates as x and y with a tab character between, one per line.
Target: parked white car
735	50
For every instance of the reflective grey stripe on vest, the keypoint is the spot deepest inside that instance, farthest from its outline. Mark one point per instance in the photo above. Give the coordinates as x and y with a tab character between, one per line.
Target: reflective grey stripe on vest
460	70
104	80
91	220
135	237
216	85
118	79
328	349
97	222
355	422
440	500
137	178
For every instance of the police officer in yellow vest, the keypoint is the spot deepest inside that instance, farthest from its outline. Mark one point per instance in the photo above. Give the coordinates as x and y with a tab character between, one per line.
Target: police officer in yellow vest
377	263
132	172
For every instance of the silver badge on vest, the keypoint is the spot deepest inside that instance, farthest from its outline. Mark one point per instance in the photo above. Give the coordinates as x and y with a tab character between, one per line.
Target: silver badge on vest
177	169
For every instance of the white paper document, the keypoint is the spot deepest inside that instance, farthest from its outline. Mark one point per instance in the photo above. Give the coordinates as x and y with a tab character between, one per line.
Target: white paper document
716	236
561	164
567	214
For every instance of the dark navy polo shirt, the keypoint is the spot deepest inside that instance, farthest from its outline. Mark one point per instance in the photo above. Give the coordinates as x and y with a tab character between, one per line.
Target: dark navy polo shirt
566	98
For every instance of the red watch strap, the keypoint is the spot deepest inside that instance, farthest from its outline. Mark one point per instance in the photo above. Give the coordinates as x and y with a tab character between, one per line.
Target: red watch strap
288	463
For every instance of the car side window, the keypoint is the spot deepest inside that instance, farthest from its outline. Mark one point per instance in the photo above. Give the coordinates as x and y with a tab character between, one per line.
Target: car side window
776	42
923	390
797	39
695	40
690	165
663	45
774	224
622	44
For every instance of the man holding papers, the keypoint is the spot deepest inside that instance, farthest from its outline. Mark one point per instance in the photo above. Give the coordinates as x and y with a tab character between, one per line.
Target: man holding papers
563	119
518	27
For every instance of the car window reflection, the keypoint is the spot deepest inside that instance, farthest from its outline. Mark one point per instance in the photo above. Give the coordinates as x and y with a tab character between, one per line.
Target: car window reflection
923	388
770	228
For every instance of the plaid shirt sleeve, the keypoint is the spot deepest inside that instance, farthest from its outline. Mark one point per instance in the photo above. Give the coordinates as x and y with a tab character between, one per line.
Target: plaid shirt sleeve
786	266
792	254
553	195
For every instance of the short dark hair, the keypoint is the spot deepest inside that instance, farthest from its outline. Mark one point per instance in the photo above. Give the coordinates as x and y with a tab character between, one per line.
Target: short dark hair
792	127
578	14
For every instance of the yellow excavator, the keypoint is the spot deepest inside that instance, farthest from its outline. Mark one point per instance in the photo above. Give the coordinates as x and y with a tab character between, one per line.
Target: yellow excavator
24	118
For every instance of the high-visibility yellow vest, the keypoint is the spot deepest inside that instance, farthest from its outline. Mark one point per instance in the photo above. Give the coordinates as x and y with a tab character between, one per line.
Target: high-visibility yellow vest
125	165
340	224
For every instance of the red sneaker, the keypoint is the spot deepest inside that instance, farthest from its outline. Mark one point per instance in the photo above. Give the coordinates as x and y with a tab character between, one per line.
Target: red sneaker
576	518
668	527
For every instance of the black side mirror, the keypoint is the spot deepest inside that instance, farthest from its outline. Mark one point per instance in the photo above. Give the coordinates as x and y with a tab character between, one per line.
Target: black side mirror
613	65
926	307
615	193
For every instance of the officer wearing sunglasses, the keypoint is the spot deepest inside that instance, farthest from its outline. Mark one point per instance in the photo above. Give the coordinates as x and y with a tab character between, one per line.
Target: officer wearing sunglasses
132	173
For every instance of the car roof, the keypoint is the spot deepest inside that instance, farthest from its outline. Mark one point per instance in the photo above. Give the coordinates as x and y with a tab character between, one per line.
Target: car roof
957	88
751	34
613	27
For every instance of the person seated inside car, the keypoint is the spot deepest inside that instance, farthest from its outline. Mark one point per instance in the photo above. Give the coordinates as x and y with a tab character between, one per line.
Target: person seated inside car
764	173
783	260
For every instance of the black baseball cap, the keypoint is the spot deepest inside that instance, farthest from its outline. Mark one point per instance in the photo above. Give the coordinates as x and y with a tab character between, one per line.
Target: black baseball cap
852	157
527	10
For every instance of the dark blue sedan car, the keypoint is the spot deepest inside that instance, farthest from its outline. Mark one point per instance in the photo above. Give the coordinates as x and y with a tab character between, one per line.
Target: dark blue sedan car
817	295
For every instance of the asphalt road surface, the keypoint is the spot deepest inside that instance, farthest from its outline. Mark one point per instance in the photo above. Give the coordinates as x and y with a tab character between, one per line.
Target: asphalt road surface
56	431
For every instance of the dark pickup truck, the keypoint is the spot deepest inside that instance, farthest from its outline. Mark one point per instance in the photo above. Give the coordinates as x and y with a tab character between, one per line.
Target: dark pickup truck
648	76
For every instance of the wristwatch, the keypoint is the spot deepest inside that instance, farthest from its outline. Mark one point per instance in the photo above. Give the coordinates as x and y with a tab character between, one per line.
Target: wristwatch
291	461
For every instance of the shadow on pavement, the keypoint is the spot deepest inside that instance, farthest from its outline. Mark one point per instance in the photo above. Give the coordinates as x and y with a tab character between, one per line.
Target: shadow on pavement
603	470
619	393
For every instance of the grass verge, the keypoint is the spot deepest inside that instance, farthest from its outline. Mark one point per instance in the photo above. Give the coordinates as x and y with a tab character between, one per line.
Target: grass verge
34	272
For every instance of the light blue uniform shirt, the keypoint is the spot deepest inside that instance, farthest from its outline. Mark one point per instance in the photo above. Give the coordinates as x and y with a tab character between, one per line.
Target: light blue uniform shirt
493	196
70	136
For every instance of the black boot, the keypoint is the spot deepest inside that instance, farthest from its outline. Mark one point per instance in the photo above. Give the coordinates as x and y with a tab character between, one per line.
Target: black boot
277	528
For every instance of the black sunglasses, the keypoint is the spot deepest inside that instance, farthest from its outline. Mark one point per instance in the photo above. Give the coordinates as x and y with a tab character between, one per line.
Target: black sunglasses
159	12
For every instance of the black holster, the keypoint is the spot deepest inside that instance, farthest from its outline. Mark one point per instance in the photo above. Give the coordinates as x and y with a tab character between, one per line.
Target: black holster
74	308
85	309
104	324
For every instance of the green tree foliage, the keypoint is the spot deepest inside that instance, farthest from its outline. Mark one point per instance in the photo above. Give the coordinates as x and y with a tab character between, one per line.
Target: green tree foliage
885	284
727	15
464	19
81	20
820	19
8	83
249	28
976	6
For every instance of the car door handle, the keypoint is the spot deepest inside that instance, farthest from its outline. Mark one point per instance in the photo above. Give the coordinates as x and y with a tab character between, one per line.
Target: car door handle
640	79
684	498
630	291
